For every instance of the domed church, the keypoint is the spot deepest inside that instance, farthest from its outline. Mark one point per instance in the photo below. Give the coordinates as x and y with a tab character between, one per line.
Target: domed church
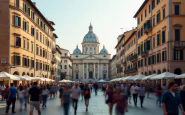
90	63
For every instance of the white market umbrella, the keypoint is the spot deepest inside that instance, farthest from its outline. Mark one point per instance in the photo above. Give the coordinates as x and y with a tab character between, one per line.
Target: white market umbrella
64	81
20	77
4	75
182	76
139	77
101	80
165	75
28	78
149	77
36	78
125	78
131	78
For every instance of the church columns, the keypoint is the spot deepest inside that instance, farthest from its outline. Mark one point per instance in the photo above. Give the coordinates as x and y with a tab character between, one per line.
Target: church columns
83	71
98	72
87	71
94	71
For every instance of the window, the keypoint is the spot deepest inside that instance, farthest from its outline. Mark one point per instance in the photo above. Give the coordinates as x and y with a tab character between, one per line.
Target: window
43	52
65	67
139	50
32	63
154	42
28	11
153	59
145	61
65	61
178	54
24	43
16	60
37	35
158	39
32	15
41	24
163	36
24	60
17	41
32	31
37	50
141	17
164	56
158	17
17	3
149	60
158	1
24	7
177	9
153	21
158	57
40	37
138	21
40	51
177	34
32	47
25	25
139	34
149	9
164	13
76	65
37	65
65	54
141	31
153	4
28	45
145	12
41	66
17	21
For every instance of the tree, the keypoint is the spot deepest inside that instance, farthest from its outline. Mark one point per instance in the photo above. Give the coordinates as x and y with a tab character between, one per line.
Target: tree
62	76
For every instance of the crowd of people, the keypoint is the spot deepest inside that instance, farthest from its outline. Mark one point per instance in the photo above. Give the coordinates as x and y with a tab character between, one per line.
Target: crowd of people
119	94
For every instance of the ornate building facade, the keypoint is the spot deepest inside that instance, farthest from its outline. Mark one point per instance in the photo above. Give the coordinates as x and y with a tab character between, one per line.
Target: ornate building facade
90	64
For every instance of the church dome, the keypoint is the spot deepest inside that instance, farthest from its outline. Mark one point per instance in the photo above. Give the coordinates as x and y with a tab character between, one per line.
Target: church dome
77	51
104	51
90	36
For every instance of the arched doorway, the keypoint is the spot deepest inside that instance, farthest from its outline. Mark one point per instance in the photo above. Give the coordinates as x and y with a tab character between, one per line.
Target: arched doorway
154	72
146	73
150	73
141	72
178	71
23	73
28	74
31	74
45	76
164	70
159	72
16	73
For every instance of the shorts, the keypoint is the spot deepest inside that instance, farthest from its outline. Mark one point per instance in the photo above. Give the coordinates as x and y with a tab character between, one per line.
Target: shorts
34	104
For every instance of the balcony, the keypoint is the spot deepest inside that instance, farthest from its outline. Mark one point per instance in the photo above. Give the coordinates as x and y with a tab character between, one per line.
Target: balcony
130	70
118	65
133	58
179	44
144	53
54	50
147	26
53	61
52	71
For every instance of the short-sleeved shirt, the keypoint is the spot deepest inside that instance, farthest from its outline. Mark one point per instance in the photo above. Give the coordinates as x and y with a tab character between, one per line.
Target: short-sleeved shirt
171	102
75	92
142	91
66	96
13	91
34	92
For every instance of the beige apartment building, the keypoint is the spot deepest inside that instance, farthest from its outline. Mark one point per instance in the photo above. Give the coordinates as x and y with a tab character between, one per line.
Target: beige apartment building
27	40
66	63
113	68
161	36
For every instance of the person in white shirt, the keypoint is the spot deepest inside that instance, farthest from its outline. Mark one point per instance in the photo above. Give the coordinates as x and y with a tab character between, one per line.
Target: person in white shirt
2	92
21	94
134	91
75	96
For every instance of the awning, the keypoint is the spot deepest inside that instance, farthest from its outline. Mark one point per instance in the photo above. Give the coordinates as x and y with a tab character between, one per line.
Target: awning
182	76
7	76
165	75
149	77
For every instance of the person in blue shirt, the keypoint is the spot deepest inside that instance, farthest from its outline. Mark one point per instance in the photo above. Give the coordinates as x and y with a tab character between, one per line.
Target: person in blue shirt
171	100
11	98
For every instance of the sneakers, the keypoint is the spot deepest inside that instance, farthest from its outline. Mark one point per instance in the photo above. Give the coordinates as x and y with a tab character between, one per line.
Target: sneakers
86	109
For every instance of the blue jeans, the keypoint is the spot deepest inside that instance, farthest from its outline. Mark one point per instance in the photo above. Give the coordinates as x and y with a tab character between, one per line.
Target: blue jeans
22	102
44	100
66	108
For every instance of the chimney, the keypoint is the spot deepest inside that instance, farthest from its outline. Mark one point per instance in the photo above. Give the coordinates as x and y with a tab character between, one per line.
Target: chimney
34	3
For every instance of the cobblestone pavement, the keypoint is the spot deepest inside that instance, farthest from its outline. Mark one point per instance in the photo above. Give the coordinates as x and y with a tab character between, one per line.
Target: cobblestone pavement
97	107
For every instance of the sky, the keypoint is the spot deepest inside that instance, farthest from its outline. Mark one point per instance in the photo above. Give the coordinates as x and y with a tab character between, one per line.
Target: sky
73	17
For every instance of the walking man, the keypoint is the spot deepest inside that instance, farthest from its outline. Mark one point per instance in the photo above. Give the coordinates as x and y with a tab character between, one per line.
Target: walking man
75	96
95	88
11	98
141	94
134	91
171	101
35	99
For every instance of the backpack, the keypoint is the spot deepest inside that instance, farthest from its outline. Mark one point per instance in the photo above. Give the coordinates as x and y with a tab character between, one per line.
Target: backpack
86	92
6	94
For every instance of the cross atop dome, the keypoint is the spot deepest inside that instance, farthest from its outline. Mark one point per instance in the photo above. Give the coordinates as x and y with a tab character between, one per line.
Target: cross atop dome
90	27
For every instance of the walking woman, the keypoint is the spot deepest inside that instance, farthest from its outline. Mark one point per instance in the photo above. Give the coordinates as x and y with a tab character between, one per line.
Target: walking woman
21	94
66	99
159	94
87	96
182	96
26	89
109	97
120	102
45	93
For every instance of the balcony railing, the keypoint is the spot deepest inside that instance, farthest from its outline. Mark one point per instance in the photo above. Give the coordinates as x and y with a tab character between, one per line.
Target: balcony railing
53	61
144	53
130	70
54	50
133	58
147	26
179	44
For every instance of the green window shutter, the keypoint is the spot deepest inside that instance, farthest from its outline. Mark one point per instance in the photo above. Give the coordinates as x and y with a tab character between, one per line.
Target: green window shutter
163	36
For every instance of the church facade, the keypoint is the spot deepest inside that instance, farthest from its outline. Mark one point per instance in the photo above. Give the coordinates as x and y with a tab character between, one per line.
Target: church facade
90	63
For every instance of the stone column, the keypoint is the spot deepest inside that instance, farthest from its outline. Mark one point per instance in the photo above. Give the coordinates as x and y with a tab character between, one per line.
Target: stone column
107	71
83	71
87	71
94	71
98	71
